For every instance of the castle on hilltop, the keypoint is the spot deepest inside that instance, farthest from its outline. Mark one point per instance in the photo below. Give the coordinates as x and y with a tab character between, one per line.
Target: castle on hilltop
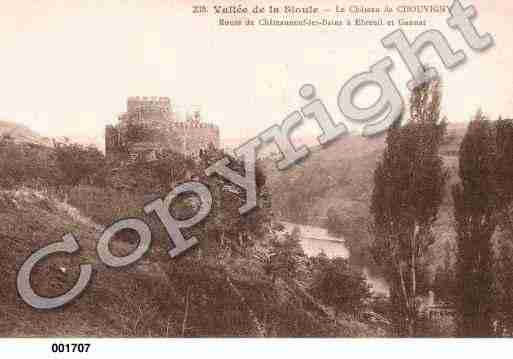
149	127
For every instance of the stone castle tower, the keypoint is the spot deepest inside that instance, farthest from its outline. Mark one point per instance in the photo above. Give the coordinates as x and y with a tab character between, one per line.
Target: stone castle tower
149	127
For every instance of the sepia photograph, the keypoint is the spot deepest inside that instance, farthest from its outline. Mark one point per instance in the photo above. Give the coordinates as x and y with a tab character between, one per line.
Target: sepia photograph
175	171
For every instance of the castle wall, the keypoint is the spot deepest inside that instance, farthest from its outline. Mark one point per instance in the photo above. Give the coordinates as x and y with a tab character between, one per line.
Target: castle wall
149	126
114	150
194	137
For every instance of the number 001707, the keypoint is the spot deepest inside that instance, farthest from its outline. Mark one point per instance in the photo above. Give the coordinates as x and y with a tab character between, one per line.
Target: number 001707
70	348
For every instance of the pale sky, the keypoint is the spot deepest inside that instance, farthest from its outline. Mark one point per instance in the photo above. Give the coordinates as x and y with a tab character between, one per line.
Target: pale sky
67	67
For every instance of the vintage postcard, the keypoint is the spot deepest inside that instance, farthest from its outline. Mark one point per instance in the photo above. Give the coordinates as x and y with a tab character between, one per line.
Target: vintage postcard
255	169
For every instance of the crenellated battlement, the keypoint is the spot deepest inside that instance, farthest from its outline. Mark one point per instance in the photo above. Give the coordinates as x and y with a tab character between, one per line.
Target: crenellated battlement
135	103
186	125
149	127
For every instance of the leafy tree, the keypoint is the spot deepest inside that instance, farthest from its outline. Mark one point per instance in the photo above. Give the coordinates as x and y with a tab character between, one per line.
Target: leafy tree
504	284
234	232
444	282
504	171
408	191
25	164
338	284
475	206
11	166
159	175
503	190
285	259
78	163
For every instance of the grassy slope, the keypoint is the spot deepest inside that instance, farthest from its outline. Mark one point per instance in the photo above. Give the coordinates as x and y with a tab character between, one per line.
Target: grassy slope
233	298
